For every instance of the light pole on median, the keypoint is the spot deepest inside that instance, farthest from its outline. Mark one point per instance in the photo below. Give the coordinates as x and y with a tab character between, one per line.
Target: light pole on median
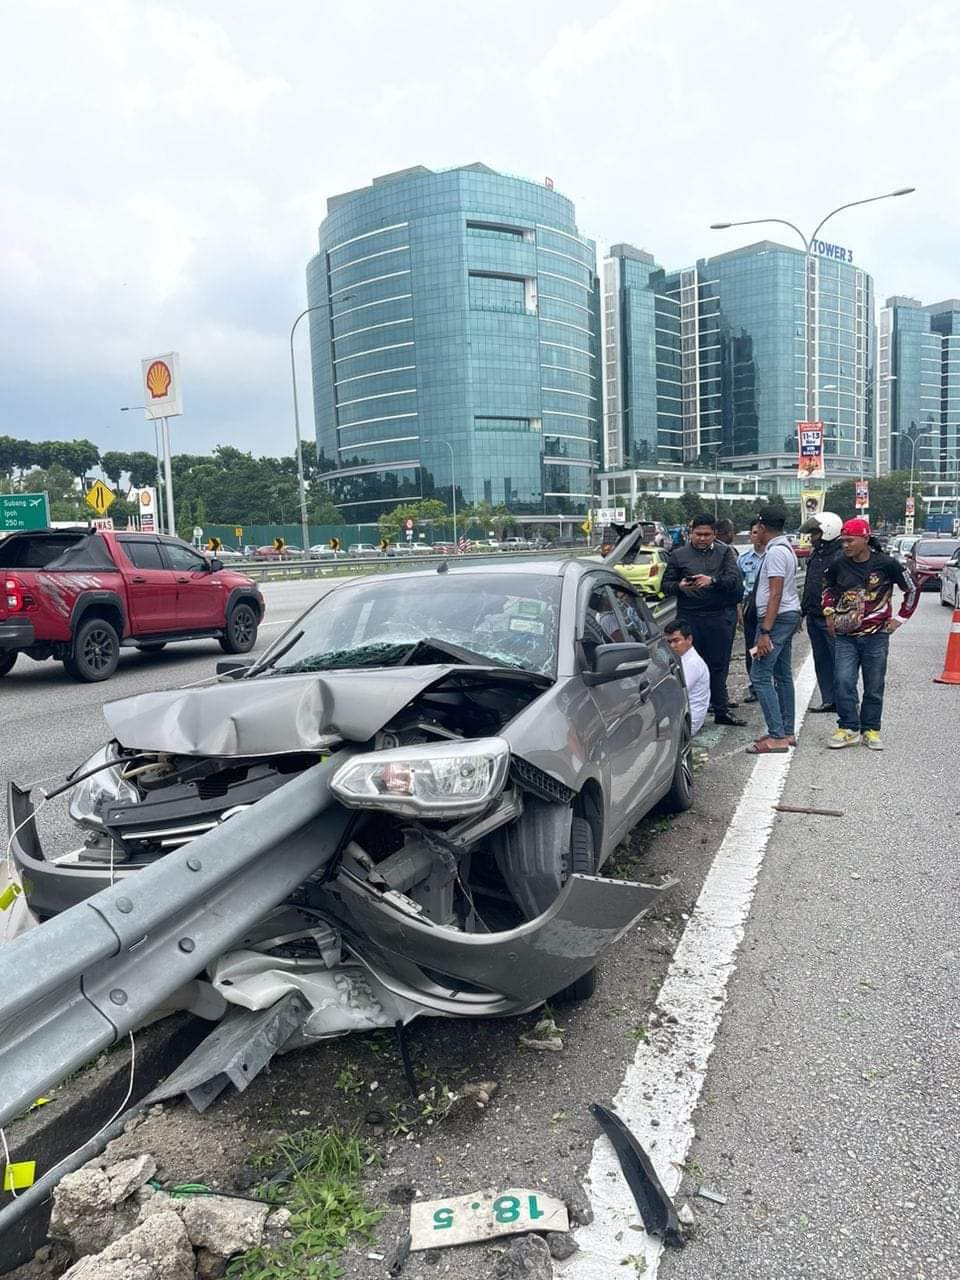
453	480
810	317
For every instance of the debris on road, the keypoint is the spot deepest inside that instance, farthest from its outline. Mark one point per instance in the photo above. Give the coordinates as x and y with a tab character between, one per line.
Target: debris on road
656	1207
707	1193
527	1259
545	1036
159	1249
578	1204
484	1215
685	1215
799	808
561	1245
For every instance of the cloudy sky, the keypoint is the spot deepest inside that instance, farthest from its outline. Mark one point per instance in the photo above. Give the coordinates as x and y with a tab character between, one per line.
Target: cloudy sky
165	163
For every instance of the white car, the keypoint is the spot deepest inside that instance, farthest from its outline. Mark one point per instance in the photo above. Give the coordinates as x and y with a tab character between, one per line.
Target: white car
950	582
320	551
363	549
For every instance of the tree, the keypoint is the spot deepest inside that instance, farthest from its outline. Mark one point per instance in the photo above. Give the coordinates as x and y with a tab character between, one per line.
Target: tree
114	465
426	511
141	468
501	519
888	498
478	513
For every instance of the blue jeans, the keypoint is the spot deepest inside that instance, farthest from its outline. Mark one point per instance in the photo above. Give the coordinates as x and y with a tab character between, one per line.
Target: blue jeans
822	647
772	677
864	656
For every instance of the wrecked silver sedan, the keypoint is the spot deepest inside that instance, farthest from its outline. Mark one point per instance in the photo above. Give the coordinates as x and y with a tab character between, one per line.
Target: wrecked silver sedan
489	737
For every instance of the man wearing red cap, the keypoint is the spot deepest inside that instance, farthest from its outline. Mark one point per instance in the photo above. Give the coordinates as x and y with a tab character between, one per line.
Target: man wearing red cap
857	604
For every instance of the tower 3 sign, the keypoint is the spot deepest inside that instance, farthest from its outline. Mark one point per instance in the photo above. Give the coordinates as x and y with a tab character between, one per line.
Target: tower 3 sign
161	386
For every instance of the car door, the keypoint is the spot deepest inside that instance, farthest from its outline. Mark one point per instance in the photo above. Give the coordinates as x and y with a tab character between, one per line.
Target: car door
200	592
666	693
151	587
624	707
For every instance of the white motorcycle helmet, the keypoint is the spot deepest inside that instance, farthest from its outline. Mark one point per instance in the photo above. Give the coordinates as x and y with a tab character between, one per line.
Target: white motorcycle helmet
828	524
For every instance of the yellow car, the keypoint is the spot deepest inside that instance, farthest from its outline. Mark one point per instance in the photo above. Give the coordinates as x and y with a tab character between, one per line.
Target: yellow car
644	567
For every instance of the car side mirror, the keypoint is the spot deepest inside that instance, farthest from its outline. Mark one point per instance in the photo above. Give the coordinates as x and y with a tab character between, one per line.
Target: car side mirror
234	666
616	662
216	564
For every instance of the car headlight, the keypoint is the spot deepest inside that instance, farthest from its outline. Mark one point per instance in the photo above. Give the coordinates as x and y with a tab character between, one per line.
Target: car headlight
89	797
447	779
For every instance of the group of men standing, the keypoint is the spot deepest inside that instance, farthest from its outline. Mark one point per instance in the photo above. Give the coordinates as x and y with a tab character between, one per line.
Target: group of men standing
846	604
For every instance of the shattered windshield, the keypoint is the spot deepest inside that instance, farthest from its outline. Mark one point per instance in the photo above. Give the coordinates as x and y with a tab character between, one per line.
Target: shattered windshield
509	619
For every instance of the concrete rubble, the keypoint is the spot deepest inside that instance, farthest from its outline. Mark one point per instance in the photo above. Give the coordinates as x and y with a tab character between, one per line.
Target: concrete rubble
528	1258
118	1227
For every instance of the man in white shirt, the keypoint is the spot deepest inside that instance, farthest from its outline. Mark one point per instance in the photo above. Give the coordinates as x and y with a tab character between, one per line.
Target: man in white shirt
696	673
778	616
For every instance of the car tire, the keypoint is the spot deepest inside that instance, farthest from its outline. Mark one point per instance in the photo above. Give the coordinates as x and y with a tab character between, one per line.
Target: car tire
240	634
95	652
581	860
680	796
7	659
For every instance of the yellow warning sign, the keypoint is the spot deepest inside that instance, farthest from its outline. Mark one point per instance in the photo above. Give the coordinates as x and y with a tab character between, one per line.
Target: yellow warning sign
100	498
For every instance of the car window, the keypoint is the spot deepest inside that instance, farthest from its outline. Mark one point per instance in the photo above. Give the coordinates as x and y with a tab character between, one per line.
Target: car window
942	547
183	559
600	623
633	615
143	555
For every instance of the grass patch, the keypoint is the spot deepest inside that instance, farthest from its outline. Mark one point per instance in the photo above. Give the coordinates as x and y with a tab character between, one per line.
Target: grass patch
320	1183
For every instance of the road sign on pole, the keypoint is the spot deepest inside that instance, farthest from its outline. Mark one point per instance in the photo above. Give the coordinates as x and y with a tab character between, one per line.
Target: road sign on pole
99	498
23	511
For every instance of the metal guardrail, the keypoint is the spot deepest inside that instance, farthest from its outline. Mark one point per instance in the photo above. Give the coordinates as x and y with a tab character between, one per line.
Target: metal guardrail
83	979
304	567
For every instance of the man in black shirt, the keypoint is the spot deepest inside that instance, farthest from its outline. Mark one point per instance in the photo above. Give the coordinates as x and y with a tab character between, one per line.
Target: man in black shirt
705	578
824	533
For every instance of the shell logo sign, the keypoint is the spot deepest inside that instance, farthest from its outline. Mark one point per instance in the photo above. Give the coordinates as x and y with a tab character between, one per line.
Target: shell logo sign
161	385
159	378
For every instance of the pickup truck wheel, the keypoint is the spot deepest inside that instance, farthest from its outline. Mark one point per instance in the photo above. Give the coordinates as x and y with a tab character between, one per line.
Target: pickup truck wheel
582	861
241	631
7	659
96	651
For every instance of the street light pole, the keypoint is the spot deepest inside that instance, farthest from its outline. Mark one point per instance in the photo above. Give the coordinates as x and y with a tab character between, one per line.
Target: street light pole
301	486
810	317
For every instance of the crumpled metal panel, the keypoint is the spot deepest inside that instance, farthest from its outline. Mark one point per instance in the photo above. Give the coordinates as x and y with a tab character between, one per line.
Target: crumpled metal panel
527	964
272	715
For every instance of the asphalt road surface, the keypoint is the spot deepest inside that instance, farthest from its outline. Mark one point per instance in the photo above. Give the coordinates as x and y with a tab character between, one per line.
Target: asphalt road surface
829	1115
831	1109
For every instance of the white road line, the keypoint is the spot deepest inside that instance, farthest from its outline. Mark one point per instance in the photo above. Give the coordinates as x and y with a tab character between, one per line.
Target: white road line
662	1085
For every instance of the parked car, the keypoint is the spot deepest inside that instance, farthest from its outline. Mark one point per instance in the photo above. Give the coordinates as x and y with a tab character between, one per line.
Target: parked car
78	595
490	736
950	582
927	557
515	544
363	549
270	552
320	551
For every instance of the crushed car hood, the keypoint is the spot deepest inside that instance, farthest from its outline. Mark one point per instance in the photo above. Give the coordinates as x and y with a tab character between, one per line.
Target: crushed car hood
275	715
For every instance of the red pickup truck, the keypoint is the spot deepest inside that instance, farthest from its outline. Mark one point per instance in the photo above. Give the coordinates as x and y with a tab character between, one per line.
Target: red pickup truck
78	595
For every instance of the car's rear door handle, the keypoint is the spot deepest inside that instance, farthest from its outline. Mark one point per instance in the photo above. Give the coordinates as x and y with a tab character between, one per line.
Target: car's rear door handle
643	689
137	578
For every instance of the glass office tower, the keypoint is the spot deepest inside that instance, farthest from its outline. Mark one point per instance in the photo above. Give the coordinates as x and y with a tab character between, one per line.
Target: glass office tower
455	308
711	363
919	410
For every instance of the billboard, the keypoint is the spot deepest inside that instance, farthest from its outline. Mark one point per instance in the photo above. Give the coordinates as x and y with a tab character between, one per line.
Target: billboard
861	495
810	448
161	386
146	500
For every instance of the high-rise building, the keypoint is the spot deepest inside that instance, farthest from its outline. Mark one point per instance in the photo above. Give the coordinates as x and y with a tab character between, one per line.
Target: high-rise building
919	406
456	308
714	365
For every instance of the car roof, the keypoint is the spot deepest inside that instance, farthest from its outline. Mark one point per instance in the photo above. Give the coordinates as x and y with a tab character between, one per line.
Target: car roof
528	568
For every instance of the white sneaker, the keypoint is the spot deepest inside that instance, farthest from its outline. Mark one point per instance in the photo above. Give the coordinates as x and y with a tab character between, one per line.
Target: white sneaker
872	739
844	738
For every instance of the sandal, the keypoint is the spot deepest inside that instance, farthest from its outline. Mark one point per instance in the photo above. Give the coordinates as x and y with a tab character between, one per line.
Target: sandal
763	748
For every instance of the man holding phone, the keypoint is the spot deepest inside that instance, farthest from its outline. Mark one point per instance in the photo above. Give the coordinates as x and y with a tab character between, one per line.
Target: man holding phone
704	577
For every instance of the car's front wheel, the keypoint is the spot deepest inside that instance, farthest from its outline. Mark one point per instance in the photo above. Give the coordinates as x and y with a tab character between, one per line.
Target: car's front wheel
7	658
581	860
96	651
680	796
240	634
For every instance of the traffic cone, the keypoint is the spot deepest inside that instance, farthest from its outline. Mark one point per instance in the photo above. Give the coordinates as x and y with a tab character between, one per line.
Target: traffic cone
951	664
